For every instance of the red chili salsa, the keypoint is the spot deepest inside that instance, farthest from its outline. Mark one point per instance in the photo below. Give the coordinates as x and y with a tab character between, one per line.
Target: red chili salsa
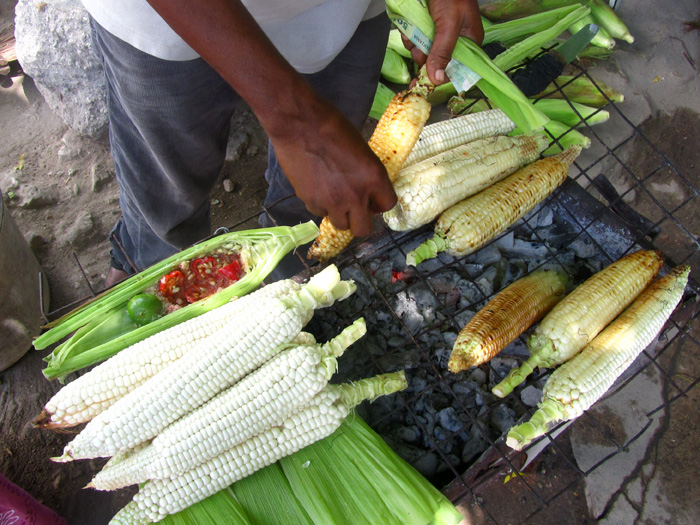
199	278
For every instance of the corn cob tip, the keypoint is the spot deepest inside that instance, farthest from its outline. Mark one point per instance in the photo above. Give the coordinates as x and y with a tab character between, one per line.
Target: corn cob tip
428	250
519	374
65	458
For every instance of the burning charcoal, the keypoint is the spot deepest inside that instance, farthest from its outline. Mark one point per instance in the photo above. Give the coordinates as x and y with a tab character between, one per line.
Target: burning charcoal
502	417
431	265
478	376
442	356
407	310
444	443
528	250
516	269
407	358
545	217
417	384
425	301
427	464
473	269
448	419
445	258
474	446
355	273
396	341
488	281
383	275
583	247
500	366
516	348
471	294
405	434
506	242
530	396
464	317
449	337
468	393
489	254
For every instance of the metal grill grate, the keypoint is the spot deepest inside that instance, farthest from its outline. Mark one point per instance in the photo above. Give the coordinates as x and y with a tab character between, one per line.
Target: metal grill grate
449	426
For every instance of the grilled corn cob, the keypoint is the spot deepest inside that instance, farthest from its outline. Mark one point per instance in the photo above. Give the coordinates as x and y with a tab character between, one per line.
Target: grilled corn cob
318	419
213	365
261	400
392	141
505	317
426	189
577	384
81	400
582	314
447	134
470	224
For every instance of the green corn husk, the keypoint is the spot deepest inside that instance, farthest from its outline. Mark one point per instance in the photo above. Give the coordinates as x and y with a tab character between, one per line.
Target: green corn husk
222	507
442	93
352	476
394	68
382	98
513	31
263	248
396	43
516	54
601	39
494	83
583	90
562	136
570	113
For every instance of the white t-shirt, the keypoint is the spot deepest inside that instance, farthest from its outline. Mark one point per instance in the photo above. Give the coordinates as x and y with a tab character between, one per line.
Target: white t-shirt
308	33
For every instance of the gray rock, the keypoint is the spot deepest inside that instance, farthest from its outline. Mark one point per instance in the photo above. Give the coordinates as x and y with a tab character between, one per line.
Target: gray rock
29	197
82	232
229	185
531	395
238	142
101	177
53	46
502	417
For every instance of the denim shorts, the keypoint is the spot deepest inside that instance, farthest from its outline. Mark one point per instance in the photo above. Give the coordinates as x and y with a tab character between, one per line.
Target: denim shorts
169	124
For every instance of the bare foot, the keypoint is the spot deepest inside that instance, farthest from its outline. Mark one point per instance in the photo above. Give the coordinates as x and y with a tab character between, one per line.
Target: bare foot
115	276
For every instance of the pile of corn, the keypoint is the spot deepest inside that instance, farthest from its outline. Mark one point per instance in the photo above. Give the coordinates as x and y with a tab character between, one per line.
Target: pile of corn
199	406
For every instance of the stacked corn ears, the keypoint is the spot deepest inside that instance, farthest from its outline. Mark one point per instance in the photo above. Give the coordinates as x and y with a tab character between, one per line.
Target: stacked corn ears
214	404
578	383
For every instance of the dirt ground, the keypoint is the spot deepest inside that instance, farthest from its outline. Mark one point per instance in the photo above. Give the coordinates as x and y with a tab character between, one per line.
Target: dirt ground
60	189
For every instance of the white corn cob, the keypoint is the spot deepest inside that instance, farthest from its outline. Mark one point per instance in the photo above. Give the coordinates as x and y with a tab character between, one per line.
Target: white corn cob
447	134
212	366
427	188
261	400
82	399
582	314
577	384
320	418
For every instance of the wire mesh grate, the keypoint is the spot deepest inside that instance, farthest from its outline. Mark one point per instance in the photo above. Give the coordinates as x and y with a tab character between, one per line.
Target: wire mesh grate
449	426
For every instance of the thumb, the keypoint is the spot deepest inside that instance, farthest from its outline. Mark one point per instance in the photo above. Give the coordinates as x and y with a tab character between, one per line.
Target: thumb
446	33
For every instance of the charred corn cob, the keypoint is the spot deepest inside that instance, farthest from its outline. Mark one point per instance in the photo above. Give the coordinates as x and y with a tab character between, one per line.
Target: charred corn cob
470	224
512	311
426	189
392	141
318	419
582	314
213	365
447	134
577	384
261	400
81	400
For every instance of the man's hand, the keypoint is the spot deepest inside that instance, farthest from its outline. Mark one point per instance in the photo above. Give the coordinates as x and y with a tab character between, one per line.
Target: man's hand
333	170
453	18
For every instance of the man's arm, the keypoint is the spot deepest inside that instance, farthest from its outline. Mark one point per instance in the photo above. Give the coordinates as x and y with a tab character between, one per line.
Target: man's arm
329	164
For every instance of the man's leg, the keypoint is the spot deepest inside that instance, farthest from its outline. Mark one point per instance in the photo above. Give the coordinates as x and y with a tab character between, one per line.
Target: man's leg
169	124
349	82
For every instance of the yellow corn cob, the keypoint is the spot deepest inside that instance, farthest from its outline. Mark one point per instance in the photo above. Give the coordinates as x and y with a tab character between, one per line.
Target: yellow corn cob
215	364
259	401
581	315
447	134
321	417
392	141
429	187
470	224
577	384
512	311
81	400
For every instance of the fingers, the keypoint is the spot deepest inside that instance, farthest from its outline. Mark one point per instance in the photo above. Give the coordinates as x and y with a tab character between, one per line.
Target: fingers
452	19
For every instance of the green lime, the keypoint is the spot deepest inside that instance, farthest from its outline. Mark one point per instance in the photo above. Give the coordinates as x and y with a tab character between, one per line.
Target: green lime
144	308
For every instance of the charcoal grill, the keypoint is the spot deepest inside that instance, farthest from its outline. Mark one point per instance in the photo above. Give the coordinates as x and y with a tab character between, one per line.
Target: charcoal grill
449	426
